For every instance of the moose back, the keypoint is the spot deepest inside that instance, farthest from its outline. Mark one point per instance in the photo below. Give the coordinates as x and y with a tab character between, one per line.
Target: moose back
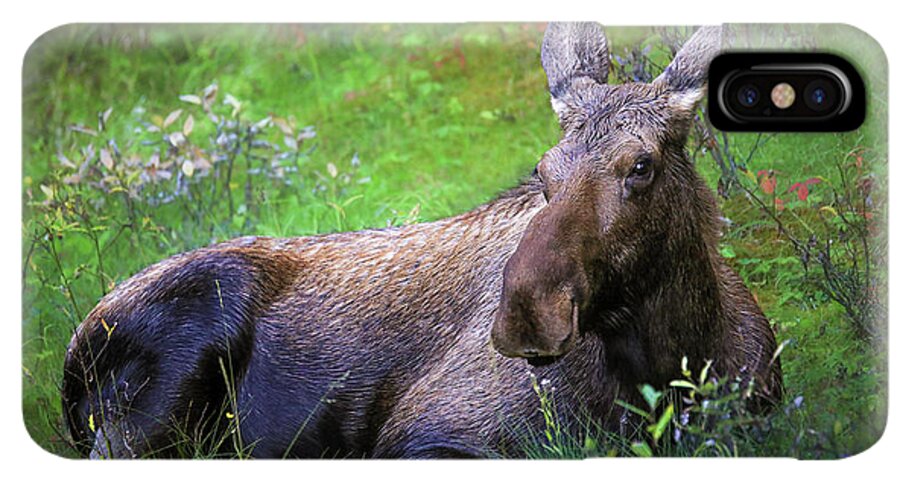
597	274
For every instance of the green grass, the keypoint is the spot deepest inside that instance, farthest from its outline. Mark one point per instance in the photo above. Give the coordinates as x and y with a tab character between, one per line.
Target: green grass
441	119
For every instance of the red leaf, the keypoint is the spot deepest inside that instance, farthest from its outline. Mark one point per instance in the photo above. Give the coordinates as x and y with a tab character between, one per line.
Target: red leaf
803	192
779	204
768	184
813	181
865	185
794	187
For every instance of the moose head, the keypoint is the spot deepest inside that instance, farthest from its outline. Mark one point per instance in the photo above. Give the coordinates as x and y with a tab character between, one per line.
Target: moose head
626	217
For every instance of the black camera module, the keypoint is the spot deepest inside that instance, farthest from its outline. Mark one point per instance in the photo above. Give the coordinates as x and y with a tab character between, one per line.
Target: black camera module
785	92
748	96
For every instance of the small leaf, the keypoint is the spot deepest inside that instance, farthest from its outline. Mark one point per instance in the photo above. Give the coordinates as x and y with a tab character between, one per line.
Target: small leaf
177	139
682	384
413	215
658	429
641	449
91	423
109	330
48	191
202	164
651	396
332	170
188	168
306	134
106	159
284	126
83	129
829	209
813	181
768	184
803	192
234	102
72	179
778	351
65	161
705	372
103	118
631	408
191	99
171	118
264	123
188	126
209	95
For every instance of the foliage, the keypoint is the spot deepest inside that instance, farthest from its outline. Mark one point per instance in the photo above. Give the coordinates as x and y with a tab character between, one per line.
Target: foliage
695	416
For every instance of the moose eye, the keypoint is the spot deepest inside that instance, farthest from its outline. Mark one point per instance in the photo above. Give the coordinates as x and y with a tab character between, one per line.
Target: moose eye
640	176
641	167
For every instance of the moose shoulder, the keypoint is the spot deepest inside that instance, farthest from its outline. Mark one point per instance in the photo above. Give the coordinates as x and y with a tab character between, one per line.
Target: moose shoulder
598	274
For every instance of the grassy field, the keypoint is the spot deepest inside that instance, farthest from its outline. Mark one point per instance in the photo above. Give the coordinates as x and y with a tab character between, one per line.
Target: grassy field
406	124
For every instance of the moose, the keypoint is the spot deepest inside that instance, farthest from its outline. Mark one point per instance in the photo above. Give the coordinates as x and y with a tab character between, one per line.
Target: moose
597	274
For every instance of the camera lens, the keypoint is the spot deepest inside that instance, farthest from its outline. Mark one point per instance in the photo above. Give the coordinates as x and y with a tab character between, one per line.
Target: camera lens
820	95
748	96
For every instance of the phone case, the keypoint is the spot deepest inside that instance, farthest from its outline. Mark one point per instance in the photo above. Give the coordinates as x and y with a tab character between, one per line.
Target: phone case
420	241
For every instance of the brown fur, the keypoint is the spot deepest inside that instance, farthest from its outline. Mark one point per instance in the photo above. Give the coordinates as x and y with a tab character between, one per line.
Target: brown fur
378	343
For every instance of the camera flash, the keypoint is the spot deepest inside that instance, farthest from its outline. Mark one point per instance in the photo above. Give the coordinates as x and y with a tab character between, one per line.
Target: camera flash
783	95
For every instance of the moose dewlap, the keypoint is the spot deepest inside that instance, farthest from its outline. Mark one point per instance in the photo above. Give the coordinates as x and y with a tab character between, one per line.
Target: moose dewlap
597	274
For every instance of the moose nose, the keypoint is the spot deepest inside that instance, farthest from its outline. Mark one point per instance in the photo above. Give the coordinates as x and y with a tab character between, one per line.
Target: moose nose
548	330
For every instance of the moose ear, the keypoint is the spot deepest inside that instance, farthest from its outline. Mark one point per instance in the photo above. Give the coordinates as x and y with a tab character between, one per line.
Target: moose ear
685	78
571	51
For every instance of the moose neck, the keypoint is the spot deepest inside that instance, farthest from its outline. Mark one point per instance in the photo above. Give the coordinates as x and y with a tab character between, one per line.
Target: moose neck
672	300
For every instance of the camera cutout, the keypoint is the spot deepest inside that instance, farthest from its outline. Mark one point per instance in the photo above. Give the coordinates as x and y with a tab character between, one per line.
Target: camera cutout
785	92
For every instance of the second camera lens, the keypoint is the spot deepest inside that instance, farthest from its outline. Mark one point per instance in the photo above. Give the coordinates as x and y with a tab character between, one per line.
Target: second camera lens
748	96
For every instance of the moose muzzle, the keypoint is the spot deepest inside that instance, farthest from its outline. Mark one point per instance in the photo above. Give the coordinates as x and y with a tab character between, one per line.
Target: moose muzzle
529	329
538	314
